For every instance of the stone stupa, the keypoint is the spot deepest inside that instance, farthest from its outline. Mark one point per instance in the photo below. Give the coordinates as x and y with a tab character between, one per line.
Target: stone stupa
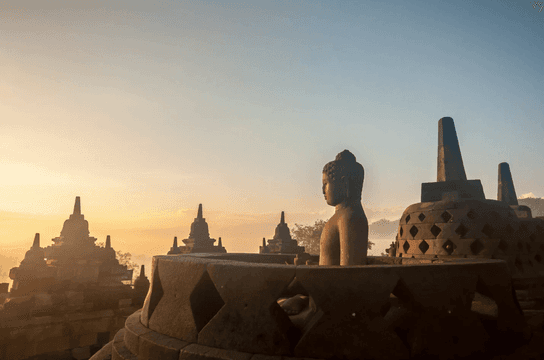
199	240
281	243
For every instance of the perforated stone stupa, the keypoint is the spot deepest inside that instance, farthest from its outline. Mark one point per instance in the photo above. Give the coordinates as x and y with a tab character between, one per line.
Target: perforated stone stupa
455	220
199	240
281	243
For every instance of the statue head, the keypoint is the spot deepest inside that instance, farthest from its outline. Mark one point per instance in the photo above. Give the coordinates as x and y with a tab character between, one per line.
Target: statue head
343	179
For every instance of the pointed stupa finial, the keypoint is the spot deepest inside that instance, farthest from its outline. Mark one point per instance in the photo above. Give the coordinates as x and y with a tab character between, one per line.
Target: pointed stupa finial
219	243
175	242
108	242
506	191
142	271
264	242
199	215
282	221
450	163
36	240
77	206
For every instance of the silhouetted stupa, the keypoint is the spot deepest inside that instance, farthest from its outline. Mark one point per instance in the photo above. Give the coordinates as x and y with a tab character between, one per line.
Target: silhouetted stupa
199	240
282	243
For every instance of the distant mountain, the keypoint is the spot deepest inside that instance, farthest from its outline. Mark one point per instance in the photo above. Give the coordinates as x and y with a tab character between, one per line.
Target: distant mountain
384	228
536	205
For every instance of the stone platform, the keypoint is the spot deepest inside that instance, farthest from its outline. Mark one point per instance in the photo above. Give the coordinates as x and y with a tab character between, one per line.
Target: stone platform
224	306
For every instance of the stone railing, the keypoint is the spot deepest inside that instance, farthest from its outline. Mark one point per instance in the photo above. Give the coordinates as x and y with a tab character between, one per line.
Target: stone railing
224	306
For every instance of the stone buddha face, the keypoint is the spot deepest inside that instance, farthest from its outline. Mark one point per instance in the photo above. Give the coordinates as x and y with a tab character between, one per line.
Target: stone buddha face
334	190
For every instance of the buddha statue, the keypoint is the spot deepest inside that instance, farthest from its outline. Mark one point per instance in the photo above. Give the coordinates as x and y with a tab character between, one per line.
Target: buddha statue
344	240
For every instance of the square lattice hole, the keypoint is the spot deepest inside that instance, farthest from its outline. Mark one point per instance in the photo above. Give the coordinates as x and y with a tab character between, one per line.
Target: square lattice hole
488	231
476	247
435	230
423	246
449	246
461	230
446	216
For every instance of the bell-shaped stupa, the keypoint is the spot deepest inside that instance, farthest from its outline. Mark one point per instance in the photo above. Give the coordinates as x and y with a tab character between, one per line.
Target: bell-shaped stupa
281	243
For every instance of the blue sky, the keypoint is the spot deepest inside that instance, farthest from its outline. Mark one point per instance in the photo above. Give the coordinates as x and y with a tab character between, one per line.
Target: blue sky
146	109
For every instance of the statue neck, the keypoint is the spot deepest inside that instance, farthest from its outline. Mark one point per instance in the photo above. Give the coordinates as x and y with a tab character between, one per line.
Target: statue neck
351	203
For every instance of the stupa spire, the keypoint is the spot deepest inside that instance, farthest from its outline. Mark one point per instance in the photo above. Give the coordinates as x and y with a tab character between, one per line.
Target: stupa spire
264	242
450	163
108	242
282	220
77	206
36	243
506	191
175	242
199	214
142	271
219	243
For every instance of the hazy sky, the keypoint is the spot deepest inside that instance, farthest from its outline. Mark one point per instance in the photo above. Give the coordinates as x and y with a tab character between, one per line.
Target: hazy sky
147	108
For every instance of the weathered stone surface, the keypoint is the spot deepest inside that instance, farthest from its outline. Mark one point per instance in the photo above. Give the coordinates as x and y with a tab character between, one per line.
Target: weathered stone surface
133	330
189	301
105	353
201	352
154	294
157	346
251	320
350	302
452	190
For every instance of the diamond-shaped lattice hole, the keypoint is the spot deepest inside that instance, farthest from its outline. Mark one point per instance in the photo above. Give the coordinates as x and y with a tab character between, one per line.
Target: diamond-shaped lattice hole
503	245
406	246
401	231
435	230
476	247
449	246
471	214
446	216
488	230
407	218
520	246
421	217
518	264
461	230
205	301
538	258
413	231
532	237
528	247
423	246
509	229
530	263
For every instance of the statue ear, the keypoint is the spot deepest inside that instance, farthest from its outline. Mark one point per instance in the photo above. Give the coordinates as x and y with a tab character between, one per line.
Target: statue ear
346	184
